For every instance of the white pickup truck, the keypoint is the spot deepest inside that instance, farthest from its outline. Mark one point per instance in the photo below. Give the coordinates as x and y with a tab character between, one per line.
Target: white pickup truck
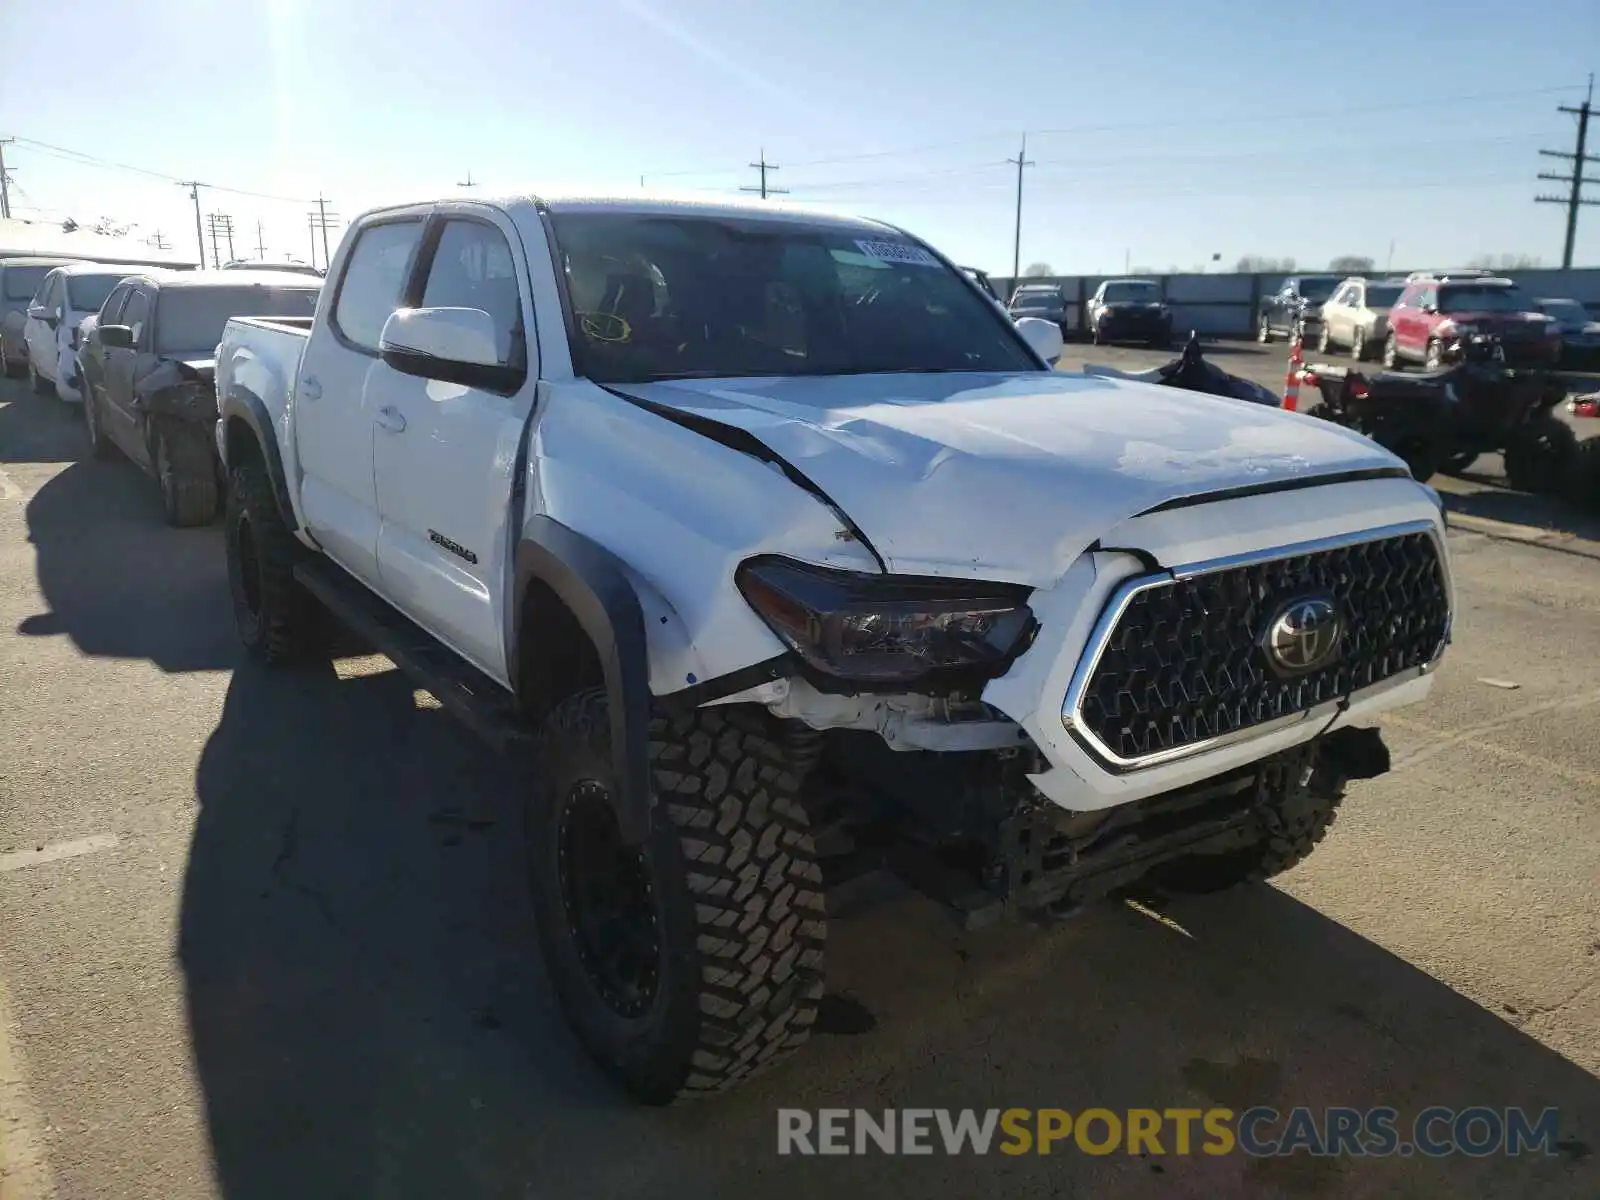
797	560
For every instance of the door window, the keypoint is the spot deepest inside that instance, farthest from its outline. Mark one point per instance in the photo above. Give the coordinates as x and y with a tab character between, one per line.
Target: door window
374	278
135	314
54	289
112	309
472	268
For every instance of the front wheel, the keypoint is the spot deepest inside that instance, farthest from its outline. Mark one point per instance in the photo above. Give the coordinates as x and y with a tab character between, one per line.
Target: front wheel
1263	330
690	962
1324	342
1433	358
1358	344
1391	354
1295	817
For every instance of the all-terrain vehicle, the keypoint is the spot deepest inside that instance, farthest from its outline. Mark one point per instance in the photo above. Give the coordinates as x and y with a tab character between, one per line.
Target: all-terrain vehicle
1442	420
793	558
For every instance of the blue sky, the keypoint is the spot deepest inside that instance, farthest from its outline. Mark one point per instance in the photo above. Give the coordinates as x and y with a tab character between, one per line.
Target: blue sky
1162	132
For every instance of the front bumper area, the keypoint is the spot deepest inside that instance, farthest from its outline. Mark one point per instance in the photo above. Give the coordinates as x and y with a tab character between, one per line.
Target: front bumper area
1039	690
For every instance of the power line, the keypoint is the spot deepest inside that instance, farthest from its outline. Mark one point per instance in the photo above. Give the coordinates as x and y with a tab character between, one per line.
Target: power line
66	153
764	166
1574	200
219	223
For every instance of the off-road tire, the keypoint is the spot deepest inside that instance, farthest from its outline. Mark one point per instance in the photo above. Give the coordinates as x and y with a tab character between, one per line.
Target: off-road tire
736	891
101	448
284	624
1581	482
1539	456
1296	820
186	472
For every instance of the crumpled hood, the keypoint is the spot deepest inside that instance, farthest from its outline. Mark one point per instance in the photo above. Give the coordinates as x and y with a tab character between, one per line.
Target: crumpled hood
1011	476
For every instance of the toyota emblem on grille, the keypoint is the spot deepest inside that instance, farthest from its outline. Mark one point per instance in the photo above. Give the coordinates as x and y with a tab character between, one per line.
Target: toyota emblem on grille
1303	635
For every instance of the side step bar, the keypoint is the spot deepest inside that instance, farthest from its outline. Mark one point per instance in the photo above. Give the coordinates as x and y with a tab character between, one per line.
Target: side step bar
469	695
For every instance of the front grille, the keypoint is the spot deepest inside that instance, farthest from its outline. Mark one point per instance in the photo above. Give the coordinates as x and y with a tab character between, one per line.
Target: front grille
1185	661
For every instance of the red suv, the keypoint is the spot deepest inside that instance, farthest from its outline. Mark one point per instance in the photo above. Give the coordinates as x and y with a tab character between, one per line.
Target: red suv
1434	310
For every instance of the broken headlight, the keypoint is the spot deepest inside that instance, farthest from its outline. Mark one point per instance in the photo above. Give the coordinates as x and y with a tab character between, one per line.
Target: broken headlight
889	630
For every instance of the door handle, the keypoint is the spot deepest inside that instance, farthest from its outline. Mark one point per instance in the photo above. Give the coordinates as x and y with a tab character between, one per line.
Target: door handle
310	388
392	419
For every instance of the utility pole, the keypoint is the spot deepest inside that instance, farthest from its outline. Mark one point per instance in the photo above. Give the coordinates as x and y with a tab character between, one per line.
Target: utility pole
158	240
194	186
1021	160
261	243
311	226
1578	158
324	220
763	166
5	180
469	182
220	223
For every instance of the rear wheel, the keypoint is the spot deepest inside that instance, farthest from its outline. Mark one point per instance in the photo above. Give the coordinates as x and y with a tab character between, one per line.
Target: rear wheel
186	473
1539	455
276	618
690	962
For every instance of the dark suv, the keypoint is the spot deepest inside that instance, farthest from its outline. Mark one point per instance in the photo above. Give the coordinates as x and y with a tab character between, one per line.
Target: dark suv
1435	312
1296	307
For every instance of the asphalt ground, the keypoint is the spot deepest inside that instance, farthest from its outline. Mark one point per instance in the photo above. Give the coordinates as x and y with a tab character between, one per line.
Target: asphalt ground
266	935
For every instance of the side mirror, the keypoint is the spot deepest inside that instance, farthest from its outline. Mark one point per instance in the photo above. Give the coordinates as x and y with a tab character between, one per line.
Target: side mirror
40	313
457	345
1044	336
116	337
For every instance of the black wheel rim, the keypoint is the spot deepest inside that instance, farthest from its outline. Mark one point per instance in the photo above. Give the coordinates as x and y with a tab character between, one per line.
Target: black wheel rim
609	900
249	572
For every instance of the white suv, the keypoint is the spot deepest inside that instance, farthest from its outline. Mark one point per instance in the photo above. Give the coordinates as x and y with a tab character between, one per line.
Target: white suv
1357	316
66	296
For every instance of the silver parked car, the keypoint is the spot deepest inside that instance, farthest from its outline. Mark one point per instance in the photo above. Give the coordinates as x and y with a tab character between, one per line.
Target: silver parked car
1356	316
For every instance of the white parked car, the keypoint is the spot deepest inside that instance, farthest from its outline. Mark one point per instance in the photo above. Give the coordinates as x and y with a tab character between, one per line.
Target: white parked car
1356	316
66	296
792	552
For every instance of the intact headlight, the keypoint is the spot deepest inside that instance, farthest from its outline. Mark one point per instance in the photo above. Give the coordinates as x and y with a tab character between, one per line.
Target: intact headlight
888	630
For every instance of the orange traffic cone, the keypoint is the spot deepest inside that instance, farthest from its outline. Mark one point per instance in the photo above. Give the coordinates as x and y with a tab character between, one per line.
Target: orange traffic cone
1291	380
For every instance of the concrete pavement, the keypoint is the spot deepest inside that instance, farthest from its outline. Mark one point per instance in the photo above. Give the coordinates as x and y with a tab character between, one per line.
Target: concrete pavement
265	935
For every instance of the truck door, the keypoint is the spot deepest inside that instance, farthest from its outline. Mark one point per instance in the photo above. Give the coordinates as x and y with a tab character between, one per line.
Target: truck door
118	418
446	454
334	402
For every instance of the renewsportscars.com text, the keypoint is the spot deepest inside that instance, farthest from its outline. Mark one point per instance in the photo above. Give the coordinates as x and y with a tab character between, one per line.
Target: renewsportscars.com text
1260	1131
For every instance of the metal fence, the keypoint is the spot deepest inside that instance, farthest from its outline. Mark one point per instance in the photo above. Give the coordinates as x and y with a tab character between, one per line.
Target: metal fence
1226	305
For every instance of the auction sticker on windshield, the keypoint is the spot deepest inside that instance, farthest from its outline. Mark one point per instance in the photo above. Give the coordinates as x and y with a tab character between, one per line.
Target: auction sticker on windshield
898	252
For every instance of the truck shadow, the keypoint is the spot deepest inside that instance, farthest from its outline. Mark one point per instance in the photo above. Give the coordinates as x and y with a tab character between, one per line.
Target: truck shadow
369	1016
38	428
118	581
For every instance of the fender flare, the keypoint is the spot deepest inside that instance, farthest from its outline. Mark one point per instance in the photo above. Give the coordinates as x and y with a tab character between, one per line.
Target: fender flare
248	407
591	582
